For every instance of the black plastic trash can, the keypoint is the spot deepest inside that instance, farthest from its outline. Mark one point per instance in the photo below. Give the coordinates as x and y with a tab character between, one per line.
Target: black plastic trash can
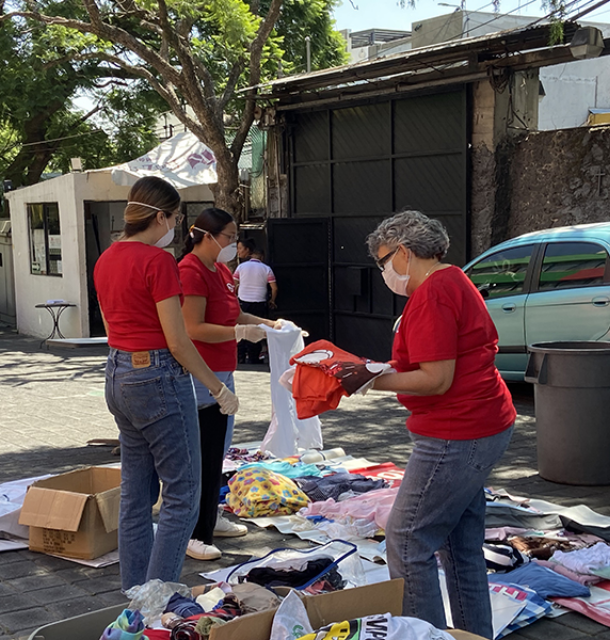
572	398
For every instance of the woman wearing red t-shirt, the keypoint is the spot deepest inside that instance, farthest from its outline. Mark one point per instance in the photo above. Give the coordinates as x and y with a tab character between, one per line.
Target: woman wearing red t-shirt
215	323
148	387
460	423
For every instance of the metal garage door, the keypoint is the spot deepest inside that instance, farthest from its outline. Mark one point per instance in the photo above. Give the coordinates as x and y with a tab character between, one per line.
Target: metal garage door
349	168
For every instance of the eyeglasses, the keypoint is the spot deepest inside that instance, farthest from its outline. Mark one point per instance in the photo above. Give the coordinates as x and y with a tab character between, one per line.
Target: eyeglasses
381	263
179	218
232	237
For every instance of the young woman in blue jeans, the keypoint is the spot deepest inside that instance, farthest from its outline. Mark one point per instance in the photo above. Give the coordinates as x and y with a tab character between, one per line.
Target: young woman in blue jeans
148	387
460	423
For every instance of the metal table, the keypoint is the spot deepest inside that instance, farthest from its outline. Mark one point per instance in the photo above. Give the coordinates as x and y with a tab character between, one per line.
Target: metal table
55	309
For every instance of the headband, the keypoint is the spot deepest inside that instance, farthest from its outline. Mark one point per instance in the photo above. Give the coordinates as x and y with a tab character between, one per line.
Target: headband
146	205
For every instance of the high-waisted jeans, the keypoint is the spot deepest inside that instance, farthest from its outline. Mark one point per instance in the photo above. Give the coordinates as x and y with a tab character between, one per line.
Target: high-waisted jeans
155	410
440	506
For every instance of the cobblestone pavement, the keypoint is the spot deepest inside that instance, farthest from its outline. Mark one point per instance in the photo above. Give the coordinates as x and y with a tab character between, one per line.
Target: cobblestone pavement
51	404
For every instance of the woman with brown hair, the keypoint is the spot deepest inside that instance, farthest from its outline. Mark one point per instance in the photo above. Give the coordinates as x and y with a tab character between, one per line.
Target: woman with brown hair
148	387
215	323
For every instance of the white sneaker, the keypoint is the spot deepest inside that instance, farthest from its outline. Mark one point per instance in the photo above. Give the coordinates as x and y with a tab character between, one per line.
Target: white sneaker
226	529
201	551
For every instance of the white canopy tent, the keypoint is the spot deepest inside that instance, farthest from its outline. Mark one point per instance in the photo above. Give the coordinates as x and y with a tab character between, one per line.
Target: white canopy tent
182	160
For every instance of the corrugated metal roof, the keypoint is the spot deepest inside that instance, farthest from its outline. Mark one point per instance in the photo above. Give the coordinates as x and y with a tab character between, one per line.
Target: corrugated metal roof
467	50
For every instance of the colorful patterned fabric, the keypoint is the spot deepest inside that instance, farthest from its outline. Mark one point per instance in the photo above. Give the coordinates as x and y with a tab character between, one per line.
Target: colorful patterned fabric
128	626
259	492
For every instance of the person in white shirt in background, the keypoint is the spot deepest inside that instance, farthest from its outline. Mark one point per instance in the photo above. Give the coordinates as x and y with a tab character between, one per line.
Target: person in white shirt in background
251	281
245	247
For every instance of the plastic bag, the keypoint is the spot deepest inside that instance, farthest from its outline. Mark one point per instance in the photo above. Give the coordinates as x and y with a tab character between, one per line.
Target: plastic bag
290	621
383	626
152	597
343	555
286	433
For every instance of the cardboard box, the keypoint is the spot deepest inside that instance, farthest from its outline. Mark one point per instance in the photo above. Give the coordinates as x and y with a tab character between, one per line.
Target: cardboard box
75	514
367	600
382	597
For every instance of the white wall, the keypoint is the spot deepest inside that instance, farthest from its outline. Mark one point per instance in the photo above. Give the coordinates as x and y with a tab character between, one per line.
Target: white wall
31	289
571	90
70	192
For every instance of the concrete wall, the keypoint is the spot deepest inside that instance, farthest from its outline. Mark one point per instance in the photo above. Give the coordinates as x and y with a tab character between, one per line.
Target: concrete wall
7	280
571	90
32	289
560	178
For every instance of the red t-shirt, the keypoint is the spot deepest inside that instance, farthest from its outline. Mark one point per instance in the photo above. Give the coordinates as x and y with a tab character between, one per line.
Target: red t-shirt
130	278
446	319
222	307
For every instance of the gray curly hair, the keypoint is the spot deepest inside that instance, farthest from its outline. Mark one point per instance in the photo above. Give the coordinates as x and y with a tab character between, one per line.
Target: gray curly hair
427	238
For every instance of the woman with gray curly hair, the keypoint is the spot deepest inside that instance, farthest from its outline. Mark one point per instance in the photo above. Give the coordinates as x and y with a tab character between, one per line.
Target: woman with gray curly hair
460	423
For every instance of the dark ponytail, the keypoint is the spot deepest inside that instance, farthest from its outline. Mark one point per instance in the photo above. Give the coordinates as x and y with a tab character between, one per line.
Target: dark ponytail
212	221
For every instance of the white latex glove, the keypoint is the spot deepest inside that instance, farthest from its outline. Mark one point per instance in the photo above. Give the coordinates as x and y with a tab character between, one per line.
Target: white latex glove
251	332
228	401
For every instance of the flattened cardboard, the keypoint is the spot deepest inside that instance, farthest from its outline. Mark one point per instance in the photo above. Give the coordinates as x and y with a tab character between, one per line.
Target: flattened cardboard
74	514
53	509
382	597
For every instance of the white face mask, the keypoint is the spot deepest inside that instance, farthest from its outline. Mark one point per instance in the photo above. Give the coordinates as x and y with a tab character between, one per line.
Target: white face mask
167	238
394	281
226	253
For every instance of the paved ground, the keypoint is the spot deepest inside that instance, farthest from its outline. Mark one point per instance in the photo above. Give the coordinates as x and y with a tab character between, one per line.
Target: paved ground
51	404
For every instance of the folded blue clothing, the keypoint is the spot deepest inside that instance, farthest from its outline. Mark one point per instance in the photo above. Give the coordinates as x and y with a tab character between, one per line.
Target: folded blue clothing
183	607
286	469
320	489
545	582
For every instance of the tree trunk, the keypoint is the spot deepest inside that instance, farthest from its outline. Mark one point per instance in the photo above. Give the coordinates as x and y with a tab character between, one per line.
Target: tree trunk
227	194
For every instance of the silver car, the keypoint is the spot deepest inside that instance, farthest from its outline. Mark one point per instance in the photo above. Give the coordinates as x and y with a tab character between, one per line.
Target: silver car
547	285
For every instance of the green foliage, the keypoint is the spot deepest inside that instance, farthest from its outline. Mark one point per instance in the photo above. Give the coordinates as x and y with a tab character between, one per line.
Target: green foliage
41	74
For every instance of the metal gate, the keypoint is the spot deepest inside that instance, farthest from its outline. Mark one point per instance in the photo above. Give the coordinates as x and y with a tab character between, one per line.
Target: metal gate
349	168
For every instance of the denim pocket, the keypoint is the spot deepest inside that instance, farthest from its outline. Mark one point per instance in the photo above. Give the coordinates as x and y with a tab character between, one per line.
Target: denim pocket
145	401
484	453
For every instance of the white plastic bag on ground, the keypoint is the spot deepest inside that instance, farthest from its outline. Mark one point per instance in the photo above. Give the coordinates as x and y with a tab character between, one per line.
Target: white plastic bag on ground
286	433
290	621
380	626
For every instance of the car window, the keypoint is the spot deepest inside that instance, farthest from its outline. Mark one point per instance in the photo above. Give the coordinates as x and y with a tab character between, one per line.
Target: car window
567	265
502	273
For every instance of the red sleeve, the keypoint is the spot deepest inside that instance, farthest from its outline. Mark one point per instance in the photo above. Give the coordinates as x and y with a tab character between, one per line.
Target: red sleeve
163	278
193	281
270	275
432	329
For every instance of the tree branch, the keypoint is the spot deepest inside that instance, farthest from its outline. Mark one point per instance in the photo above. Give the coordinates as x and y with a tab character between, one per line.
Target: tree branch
256	54
232	81
106	32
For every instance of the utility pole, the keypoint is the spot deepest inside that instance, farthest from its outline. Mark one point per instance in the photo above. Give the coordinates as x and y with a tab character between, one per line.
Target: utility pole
308	48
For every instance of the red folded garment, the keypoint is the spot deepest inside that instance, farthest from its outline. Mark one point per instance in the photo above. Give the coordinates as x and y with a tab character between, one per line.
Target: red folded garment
326	373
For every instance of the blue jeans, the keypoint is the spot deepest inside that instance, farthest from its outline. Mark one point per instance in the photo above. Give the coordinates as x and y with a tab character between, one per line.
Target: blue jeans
155	411
440	506
206	399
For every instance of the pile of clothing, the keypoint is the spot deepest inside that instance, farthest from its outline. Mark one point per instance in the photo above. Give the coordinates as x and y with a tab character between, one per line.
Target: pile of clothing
543	555
157	612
